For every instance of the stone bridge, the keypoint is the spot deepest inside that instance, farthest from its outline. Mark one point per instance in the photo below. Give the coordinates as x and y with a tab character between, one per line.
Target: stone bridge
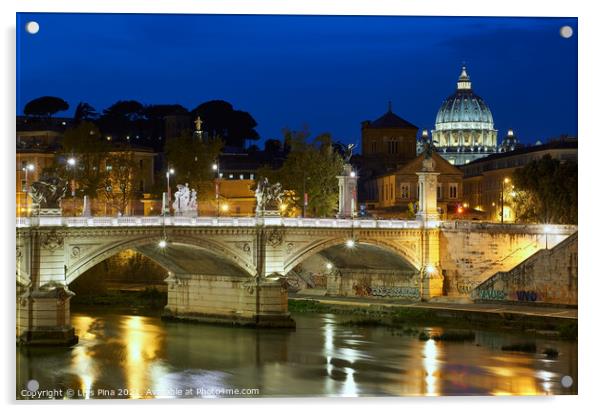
230	269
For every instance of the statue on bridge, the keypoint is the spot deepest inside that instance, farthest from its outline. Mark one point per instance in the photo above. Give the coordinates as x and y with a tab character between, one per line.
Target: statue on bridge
185	201
48	192
269	197
348	152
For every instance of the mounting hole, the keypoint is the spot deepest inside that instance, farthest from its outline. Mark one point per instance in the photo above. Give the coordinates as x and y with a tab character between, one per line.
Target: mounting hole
566	381
32	27
566	32
33	385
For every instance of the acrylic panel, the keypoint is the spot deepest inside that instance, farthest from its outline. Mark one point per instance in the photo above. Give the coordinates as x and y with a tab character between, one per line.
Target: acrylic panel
250	206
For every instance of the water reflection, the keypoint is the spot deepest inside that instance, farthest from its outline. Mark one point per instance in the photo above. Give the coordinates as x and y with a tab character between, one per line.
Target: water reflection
83	363
150	358
430	362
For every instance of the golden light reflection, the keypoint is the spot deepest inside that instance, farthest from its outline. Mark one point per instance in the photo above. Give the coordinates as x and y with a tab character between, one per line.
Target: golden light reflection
83	356
349	388
431	367
142	344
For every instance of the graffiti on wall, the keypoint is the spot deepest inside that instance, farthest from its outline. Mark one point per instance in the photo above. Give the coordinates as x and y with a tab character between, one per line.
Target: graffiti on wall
465	286
523	295
492	294
405	292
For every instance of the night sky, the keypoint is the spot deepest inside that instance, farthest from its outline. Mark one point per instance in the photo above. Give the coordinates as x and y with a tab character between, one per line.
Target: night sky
327	73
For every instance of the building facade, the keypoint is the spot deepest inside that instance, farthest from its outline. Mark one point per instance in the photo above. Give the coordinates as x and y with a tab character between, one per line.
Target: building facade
488	181
464	129
394	192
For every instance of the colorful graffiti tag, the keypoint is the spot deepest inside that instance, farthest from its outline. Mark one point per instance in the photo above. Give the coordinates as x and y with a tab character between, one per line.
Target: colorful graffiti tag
405	292
492	294
526	295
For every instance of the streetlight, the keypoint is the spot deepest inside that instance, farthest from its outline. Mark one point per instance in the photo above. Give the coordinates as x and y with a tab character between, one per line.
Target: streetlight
350	243
215	168
27	168
162	243
169	172
504	182
546	230
71	164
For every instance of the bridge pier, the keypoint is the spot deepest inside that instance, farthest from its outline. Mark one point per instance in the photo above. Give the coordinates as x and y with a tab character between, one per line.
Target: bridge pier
43	313
228	300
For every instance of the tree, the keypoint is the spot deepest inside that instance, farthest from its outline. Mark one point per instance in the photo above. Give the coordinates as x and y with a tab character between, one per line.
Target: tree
546	192
310	168
123	118
45	106
192	159
84	112
221	119
89	150
122	174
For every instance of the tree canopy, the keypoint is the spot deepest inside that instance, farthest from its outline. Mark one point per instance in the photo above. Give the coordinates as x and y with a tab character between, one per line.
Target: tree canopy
89	150
192	158
84	112
221	119
546	191
45	106
311	168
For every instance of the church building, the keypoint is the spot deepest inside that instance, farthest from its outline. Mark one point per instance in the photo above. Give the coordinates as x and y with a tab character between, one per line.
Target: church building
464	129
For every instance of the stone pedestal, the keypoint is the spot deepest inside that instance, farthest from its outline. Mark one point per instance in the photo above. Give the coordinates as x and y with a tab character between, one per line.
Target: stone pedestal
347	193
43	317
427	192
228	300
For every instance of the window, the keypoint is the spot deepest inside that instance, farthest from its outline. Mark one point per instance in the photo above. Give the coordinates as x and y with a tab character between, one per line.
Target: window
242	176
252	176
141	163
141	186
373	146
392	146
453	190
405	190
439	191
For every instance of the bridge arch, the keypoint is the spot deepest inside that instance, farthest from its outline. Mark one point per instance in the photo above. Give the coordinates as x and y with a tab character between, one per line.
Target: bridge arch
183	254
405	252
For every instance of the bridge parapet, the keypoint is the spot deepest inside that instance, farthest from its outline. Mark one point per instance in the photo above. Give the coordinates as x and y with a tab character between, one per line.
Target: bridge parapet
154	221
495	227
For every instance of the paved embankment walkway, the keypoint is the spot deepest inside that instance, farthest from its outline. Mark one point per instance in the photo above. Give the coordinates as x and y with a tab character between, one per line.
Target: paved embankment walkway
500	309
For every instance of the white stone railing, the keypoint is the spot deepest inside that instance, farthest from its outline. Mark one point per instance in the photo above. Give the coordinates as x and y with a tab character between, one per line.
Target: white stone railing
150	221
550	229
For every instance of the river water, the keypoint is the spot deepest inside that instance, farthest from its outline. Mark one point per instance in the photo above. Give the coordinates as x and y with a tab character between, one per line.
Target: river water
137	356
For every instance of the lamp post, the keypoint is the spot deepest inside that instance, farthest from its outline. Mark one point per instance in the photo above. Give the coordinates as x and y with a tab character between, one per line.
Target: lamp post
546	230
504	182
71	162
27	168
215	167
169	172
305	200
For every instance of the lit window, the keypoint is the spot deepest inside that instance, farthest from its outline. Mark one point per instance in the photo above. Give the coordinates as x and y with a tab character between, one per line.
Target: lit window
252	176
242	176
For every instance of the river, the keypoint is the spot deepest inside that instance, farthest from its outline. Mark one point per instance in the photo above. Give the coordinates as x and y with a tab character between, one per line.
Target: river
141	356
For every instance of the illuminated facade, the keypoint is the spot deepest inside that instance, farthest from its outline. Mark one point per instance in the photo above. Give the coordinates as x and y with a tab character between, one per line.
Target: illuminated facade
464	129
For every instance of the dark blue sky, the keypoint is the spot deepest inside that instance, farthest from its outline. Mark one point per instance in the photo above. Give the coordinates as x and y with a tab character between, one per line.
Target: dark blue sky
326	72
